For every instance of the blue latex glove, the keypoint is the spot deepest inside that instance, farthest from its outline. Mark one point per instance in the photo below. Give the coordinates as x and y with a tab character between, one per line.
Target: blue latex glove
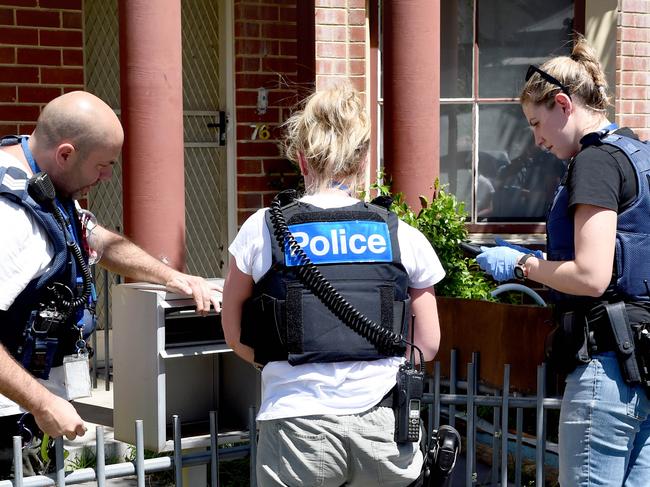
499	262
504	243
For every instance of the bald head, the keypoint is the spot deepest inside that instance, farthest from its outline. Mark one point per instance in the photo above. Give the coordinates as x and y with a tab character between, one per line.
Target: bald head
79	118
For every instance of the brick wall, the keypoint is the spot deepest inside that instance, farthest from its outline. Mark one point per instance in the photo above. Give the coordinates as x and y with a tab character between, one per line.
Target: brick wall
265	57
633	66
341	42
41	57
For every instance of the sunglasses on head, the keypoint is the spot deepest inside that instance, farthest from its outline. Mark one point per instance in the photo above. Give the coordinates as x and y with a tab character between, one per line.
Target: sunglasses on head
534	69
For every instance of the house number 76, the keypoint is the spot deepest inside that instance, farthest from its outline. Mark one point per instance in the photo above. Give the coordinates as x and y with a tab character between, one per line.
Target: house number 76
260	131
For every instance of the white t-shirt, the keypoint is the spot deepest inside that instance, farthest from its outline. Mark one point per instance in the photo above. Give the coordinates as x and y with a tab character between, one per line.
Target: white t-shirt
339	387
26	254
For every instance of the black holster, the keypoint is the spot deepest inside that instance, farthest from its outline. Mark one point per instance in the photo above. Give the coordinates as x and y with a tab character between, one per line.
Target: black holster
625	342
567	345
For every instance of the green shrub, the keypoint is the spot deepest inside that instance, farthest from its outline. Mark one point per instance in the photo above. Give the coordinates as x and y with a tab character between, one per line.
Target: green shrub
442	221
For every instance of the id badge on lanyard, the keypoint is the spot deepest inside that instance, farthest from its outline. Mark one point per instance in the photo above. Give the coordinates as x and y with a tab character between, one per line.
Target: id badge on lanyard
76	372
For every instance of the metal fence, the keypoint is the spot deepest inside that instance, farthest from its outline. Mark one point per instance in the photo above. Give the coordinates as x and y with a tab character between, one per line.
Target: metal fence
447	400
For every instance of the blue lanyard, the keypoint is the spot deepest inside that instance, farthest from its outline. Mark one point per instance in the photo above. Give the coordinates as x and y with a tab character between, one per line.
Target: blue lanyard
609	128
67	210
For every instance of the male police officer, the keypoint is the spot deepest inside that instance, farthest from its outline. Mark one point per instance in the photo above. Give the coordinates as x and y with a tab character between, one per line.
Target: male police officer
46	295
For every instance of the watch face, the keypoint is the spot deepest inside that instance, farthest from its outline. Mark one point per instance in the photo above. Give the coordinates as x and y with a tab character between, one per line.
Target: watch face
519	272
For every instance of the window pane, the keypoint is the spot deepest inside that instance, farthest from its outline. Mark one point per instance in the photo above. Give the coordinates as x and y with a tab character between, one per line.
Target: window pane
456	48
516	179
513	34
456	150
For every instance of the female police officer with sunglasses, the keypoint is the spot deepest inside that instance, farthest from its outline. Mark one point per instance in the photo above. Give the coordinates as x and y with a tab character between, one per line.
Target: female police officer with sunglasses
598	267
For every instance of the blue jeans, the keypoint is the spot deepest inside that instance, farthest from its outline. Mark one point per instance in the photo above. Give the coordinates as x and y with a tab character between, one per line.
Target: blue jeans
604	428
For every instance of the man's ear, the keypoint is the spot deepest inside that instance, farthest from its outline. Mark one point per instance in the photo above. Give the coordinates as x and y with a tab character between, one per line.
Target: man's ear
63	154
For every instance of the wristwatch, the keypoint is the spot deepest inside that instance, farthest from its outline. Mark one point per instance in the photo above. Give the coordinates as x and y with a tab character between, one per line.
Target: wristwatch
520	269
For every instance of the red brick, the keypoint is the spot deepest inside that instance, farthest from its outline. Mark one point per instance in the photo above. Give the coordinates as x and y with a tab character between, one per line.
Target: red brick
279	65
331	3
8	94
247	29
357	34
7	55
13	35
247	64
18	113
255	183
244	130
38	18
18	74
65	4
633	34
71	20
73	57
257	149
288	14
245	115
242	216
267	198
279	31
640	6
37	94
641	107
8	129
642	78
246	98
331	66
249	201
26	128
6	16
255	80
357	51
331	50
357	17
63	38
633	121
19	3
633	92
263	47
47	57
279	166
626	106
331	16
288	48
62	76
249	166
331	33
357	67
283	98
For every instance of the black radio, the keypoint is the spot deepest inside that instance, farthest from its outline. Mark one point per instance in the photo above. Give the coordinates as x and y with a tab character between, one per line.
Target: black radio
410	386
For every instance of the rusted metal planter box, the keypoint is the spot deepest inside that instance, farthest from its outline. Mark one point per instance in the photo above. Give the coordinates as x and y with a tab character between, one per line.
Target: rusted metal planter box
501	333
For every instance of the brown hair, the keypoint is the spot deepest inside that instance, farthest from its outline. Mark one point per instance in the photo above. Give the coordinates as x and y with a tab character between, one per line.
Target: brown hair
332	132
581	73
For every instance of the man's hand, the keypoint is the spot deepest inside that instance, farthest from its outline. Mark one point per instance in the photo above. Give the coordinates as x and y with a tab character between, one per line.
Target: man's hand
58	417
204	292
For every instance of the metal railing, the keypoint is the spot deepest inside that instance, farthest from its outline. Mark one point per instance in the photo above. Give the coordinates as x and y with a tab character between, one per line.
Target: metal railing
502	433
441	399
140	467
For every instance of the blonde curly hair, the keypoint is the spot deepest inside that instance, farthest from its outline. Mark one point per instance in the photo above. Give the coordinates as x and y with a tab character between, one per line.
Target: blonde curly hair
332	133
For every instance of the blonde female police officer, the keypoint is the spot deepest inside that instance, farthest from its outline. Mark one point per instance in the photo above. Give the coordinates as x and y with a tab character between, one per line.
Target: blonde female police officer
598	264
322	420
